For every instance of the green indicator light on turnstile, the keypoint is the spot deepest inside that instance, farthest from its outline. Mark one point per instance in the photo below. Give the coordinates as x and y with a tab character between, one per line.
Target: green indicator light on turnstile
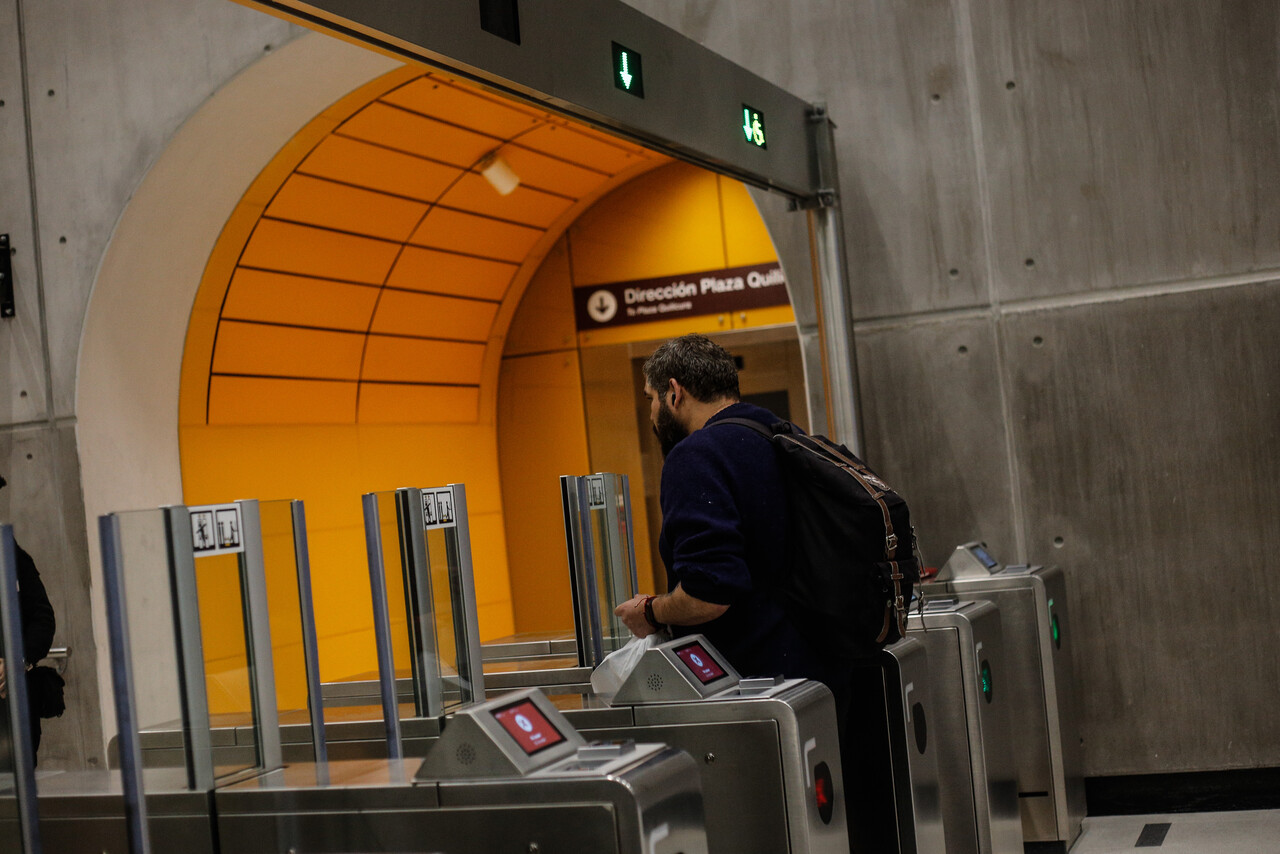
1055	631
986	680
627	71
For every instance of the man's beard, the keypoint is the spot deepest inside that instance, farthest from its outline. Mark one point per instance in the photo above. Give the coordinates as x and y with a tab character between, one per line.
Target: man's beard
668	430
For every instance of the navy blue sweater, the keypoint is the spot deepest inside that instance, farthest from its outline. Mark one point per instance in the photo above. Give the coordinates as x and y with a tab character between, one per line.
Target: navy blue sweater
724	529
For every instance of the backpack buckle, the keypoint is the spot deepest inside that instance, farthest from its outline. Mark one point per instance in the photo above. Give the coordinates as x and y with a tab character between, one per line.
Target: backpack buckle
890	542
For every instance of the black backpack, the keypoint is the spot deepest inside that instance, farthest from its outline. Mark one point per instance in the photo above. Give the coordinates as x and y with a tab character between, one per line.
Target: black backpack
852	564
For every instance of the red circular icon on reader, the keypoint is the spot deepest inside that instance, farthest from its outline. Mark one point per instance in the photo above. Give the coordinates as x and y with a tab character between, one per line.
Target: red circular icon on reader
697	659
528	726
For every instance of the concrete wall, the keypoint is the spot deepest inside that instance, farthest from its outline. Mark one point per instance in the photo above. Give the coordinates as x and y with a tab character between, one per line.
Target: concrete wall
1064	234
91	94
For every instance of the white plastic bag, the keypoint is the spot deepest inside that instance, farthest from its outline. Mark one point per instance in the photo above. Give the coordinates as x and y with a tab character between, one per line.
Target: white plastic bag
609	674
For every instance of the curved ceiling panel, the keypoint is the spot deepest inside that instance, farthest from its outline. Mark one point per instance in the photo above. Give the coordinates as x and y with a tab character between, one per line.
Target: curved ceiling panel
378	262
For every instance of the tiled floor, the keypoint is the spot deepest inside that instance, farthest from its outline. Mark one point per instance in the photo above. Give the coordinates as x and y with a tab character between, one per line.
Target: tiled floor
1256	832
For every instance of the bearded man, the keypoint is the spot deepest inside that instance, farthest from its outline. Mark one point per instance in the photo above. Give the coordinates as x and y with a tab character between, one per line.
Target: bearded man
724	520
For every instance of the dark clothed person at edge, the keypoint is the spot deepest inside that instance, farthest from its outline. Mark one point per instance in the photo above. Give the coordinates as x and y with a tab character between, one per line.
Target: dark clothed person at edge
724	520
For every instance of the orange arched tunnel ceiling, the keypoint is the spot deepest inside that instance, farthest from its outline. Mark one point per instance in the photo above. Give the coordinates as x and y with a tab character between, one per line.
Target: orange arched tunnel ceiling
349	330
374	275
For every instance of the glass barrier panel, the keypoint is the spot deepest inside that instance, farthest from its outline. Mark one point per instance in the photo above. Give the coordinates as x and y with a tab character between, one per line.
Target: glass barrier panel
281	562
446	645
222	629
610	588
397	596
154	652
291	616
19	830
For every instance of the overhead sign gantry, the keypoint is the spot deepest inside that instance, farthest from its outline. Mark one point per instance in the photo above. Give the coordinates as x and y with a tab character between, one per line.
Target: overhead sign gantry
609	65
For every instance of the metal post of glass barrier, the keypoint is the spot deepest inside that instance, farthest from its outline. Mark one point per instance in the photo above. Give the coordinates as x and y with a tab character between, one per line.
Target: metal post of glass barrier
135	803
573	546
19	711
583	569
621	557
382	626
419	603
257	624
629	532
462	590
310	648
196	738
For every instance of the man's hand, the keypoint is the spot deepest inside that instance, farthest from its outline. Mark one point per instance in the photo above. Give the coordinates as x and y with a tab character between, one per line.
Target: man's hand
632	614
676	608
4	687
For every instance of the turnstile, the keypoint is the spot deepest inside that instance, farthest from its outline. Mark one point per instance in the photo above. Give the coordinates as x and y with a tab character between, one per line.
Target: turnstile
896	790
968	684
1043	700
757	746
767	750
644	801
507	774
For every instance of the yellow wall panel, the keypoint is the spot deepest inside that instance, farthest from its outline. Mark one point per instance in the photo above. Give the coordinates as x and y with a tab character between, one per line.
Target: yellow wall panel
263	400
432	96
489	557
309	251
589	149
523	204
356	162
406	131
410	313
350	657
315	463
475	235
495	620
707	324
418	361
449	273
666	222
746	238
778	315
193	396
542	435
328	204
429	455
392	403
263	349
299	300
544	320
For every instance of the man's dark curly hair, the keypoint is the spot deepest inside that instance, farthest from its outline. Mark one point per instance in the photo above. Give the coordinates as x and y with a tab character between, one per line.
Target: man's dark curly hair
700	365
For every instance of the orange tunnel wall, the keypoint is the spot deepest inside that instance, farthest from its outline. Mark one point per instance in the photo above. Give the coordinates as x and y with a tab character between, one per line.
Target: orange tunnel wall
337	348
674	220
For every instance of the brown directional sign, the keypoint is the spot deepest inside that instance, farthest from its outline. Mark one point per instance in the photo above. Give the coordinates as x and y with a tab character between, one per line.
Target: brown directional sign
687	295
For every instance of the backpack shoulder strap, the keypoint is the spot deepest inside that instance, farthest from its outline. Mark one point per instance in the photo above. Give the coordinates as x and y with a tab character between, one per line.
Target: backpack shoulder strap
746	422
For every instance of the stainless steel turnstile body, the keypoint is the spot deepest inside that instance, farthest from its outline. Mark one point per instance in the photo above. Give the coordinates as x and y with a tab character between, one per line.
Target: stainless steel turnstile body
478	792
1042	696
767	750
969	686
896	793
83	812
758	779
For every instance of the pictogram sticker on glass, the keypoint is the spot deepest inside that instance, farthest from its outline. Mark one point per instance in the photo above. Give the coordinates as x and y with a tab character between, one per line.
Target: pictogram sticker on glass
216	529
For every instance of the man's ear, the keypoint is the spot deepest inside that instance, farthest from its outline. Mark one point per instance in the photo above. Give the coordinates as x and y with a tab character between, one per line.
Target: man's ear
674	392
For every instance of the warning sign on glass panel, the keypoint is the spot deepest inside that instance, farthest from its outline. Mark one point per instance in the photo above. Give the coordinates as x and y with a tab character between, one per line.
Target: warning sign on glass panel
437	508
216	529
595	491
688	295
